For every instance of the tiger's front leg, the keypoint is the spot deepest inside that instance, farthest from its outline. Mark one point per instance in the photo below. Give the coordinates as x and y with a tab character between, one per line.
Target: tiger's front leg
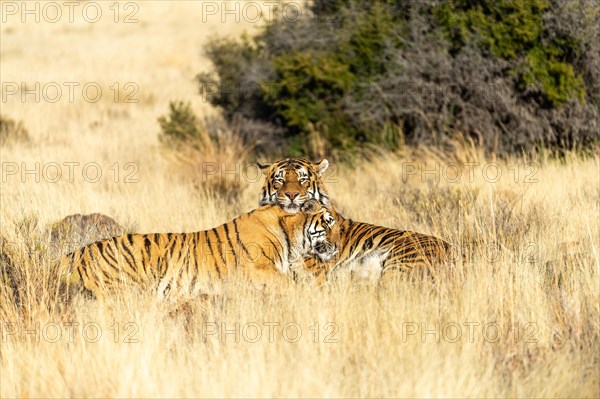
314	270
264	273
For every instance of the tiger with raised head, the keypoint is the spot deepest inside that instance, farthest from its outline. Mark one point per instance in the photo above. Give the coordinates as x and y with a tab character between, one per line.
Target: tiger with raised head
264	245
291	182
366	250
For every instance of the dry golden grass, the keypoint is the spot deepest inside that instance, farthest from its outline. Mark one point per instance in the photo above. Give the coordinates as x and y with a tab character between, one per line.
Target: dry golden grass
523	291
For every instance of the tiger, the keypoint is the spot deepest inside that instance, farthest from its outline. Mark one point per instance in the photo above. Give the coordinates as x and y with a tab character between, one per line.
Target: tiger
367	251
263	245
291	182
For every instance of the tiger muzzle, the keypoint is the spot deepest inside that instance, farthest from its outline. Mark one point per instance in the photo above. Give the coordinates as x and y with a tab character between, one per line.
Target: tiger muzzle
321	248
325	251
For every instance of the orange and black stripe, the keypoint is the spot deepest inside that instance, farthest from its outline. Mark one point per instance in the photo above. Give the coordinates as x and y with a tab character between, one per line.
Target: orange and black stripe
261	244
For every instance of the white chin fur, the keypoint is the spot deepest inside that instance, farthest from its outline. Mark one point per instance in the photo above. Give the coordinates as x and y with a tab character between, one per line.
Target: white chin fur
328	257
291	208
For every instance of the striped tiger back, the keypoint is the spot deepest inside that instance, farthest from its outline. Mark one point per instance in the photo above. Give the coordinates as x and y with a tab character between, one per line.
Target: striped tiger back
372	252
264	245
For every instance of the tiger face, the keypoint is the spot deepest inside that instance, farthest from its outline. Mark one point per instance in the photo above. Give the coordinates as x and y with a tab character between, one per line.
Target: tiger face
322	231
290	182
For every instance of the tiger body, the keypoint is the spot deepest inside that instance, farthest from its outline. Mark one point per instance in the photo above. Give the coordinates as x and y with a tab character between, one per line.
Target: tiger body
370	252
366	251
264	245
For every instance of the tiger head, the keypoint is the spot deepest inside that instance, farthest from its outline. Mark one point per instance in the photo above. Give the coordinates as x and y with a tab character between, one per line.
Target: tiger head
290	182
322	231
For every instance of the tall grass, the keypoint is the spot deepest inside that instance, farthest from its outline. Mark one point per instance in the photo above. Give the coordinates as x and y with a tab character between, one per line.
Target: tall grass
515	314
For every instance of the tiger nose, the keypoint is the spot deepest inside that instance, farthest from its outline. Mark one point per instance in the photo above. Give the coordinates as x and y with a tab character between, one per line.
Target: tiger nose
291	194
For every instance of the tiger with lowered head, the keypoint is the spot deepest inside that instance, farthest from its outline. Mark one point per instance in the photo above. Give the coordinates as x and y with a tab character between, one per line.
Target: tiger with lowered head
264	245
366	250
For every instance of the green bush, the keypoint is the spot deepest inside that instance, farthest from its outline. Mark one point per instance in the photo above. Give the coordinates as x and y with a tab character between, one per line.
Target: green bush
307	92
512	29
505	28
180	125
362	72
558	80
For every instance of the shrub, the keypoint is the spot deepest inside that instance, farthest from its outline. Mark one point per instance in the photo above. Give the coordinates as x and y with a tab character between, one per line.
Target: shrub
384	72
199	145
515	30
181	124
11	131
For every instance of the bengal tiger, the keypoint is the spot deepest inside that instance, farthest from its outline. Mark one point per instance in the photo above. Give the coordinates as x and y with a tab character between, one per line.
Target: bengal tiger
366	250
291	182
265	244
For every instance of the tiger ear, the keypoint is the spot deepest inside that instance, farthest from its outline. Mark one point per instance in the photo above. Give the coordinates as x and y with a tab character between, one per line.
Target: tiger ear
311	206
264	167
322	167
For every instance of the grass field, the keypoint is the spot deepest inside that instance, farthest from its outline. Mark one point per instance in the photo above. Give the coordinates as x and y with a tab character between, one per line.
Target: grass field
516	314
